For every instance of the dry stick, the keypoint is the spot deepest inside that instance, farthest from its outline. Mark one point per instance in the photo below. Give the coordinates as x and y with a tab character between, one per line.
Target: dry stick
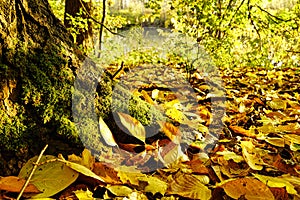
32	172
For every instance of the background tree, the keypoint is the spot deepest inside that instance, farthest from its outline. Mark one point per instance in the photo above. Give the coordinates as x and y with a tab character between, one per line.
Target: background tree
77	20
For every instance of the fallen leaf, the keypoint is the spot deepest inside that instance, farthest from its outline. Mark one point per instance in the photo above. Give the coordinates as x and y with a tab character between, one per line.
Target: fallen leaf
50	177
154	185
84	195
231	155
81	169
278	182
251	157
133	126
187	185
171	153
241	131
171	131
106	133
15	184
107	172
120	190
249	188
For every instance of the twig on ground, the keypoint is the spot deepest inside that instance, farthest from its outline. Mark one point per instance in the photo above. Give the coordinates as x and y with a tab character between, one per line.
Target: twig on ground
32	172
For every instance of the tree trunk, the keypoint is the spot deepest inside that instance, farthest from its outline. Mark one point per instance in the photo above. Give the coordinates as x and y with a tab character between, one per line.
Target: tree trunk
37	70
73	8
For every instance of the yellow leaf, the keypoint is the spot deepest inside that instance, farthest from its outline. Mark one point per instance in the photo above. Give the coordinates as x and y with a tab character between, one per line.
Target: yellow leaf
250	188
241	131
277	104
276	141
84	195
154	185
120	190
50	177
133	126
81	169
87	159
231	155
251	157
187	185
276	182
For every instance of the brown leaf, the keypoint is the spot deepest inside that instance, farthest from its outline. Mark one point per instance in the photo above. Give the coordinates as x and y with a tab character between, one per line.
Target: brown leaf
15	184
197	166
106	172
248	188
281	165
279	193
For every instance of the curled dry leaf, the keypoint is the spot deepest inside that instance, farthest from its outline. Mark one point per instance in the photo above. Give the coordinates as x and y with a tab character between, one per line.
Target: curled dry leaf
249	188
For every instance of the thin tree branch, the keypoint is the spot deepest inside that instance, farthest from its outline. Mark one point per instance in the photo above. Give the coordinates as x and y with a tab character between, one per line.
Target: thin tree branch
238	8
250	18
278	18
101	27
88	14
32	172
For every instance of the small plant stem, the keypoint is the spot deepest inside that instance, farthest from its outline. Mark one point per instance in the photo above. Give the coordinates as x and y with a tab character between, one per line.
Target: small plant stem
32	172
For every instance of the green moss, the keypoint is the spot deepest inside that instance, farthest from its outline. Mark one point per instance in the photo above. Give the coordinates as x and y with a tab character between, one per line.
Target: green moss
43	104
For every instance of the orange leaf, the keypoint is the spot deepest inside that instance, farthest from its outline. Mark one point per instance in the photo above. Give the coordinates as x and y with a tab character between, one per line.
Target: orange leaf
15	184
171	131
241	131
106	172
147	97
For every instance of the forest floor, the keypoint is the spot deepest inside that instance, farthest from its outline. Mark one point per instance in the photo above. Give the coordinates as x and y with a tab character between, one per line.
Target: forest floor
238	141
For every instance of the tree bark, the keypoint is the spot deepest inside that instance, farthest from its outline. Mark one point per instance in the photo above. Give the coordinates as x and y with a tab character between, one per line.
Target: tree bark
38	63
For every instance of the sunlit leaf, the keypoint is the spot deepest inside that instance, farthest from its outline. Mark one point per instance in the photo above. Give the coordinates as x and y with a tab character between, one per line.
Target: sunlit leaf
154	185
106	133
133	126
249	188
242	131
50	177
120	190
84	195
252	158
82	169
231	155
276	182
277	104
187	185
171	131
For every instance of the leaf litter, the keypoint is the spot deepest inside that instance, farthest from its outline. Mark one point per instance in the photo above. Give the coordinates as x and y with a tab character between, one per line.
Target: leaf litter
256	156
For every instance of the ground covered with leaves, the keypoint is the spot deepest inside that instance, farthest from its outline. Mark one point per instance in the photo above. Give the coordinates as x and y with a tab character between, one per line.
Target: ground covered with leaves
238	138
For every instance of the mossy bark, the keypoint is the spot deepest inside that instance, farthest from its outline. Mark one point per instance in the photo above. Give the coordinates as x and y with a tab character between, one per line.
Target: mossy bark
38	65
